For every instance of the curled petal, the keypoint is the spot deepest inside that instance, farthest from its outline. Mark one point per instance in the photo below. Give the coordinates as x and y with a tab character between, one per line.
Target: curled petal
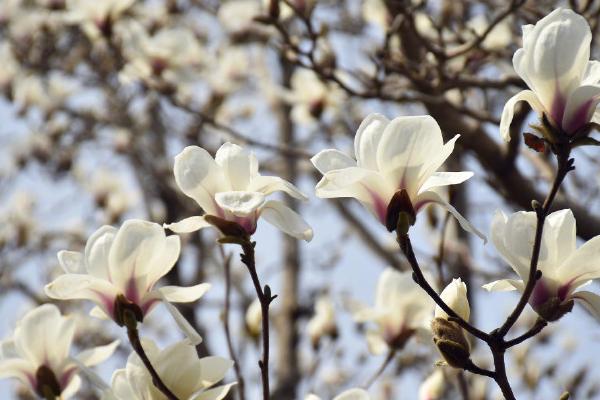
439	179
509	110
97	249
367	139
177	294
504	285
240	204
83	287
97	355
331	159
288	221
18	368
591	301
71	261
187	225
183	324
271	184
432	196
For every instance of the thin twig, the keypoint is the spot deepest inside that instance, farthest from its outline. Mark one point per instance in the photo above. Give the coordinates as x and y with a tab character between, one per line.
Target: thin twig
535	329
236	364
381	368
134	339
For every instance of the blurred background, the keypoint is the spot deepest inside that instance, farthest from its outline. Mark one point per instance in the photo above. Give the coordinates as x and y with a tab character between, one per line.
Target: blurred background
97	97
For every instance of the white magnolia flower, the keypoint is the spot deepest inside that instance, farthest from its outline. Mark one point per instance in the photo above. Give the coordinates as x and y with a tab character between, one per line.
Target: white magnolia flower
401	310
125	262
38	353
312	98
10	67
96	17
401	154
564	267
351	394
433	387
180	369
171	55
455	296
322	323
231	188
555	63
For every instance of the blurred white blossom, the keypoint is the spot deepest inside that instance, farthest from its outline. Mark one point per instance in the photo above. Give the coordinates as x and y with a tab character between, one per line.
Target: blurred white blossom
38	354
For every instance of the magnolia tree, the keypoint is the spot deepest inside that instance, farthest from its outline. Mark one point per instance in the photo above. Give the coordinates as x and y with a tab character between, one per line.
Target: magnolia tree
128	127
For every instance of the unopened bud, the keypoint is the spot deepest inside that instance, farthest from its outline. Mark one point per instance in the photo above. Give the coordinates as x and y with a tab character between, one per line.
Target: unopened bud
451	342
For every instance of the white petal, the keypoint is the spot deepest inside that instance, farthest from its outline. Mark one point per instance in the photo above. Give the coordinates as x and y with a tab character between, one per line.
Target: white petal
177	294
18	368
431	196
375	342
287	220
591	301
353	394
238	165
99	313
580	107
504	285
217	393
97	355
408	142
331	159
366	141
131	256
213	369
83	287
270	184
163	262
509	110
97	249
513	239
187	225
455	296
71	261
559	237
72	388
189	331
444	179
51	348
199	177
240	204
583	264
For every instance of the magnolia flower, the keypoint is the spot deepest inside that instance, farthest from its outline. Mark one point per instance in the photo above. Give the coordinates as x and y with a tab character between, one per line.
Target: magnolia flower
351	394
322	322
171	55
455	296
38	353
231	188
554	63
564	267
119	268
433	387
96	17
180	369
401	310
312	98
392	156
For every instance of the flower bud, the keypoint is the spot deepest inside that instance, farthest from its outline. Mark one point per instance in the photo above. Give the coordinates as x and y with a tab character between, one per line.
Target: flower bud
254	319
451	342
433	387
455	296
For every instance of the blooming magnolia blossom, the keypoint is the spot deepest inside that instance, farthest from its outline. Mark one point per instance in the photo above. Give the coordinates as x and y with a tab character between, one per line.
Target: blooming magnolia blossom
312	98
555	64
125	262
38	353
455	296
401	310
231	188
180	369
96	17
322	323
171	55
351	394
401	154
564	267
